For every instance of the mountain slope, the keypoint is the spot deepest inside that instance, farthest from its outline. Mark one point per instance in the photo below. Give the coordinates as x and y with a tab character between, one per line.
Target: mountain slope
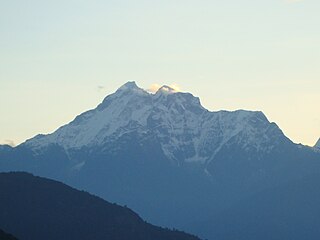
37	208
288	211
185	130
317	146
165	156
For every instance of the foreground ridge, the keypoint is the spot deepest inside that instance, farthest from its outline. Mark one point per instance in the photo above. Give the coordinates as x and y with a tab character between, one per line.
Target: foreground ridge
48	209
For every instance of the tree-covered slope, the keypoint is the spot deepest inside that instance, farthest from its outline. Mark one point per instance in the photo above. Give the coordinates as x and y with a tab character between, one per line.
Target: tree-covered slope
37	208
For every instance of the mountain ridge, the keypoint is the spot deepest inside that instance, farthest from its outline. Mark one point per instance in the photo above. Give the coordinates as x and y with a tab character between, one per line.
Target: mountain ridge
168	158
317	145
48	209
163	113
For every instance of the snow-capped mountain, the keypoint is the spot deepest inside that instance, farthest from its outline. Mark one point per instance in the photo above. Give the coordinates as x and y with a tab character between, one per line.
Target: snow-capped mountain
178	164
185	130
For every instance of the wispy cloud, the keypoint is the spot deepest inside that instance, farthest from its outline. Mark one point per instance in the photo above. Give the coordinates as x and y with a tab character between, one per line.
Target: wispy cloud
155	87
175	86
100	88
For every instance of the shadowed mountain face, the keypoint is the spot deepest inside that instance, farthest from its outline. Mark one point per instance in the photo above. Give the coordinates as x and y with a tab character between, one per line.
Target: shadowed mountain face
168	158
317	146
37	208
289	211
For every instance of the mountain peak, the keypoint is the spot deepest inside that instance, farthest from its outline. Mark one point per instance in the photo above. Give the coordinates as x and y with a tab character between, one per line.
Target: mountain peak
176	119
128	90
317	144
166	89
130	85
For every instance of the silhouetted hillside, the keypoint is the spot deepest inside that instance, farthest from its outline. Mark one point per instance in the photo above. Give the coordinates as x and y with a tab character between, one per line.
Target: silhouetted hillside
34	208
6	236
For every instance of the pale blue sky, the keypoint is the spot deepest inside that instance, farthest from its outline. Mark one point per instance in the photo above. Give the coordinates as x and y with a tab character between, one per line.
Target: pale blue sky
256	55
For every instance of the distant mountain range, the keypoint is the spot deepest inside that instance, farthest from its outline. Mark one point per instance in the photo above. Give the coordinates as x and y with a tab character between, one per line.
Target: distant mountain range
178	164
35	208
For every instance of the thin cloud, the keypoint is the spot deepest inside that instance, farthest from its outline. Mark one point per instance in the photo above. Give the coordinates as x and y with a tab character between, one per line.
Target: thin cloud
176	87
155	87
100	88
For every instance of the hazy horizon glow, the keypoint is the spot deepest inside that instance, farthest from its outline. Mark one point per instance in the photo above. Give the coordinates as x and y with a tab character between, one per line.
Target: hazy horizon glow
61	58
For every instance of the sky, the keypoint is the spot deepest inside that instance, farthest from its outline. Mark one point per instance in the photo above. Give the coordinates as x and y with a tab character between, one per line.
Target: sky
61	58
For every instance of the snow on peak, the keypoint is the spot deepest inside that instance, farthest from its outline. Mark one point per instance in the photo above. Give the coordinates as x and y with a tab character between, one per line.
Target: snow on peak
317	144
166	90
185	130
129	86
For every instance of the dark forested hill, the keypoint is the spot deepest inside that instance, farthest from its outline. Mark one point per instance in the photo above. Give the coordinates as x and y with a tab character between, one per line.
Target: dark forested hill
6	236
34	208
